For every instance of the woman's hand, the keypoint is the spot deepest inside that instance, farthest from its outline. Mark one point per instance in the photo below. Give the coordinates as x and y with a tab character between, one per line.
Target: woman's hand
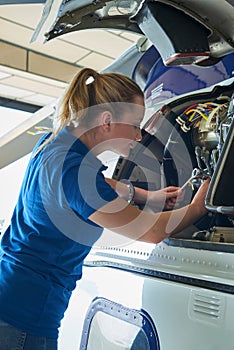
199	198
164	198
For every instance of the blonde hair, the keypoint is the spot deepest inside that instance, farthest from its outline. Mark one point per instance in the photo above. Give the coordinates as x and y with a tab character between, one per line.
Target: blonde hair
89	88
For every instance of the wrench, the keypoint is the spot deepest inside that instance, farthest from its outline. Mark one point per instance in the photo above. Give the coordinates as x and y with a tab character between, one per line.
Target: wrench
196	173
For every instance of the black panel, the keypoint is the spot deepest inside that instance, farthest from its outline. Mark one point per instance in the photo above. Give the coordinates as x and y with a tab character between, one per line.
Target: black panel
220	197
27	107
179	38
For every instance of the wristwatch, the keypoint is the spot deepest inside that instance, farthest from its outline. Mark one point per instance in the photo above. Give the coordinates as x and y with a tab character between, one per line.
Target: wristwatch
131	190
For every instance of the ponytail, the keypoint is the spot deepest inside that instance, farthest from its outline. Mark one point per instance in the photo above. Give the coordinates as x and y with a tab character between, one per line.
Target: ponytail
89	88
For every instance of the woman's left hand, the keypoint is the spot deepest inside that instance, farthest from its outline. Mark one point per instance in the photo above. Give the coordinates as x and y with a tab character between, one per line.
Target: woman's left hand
165	198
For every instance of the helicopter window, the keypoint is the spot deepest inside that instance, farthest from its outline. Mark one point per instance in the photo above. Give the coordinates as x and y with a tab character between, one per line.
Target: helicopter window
111	326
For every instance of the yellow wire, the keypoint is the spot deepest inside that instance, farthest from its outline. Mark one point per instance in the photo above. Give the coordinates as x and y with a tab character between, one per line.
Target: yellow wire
199	112
38	128
190	118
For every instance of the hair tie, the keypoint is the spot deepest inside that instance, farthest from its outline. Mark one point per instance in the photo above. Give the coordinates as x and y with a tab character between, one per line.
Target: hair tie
89	80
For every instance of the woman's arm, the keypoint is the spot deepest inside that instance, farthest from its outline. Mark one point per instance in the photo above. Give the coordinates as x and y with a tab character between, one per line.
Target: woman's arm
164	198
131	222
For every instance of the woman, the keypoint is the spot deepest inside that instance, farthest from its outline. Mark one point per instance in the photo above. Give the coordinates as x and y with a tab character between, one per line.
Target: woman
65	202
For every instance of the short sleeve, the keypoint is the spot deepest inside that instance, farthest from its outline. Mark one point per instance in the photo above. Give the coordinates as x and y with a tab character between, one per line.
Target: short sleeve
86	190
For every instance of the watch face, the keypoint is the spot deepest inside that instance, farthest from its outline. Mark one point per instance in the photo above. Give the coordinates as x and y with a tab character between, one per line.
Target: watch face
131	192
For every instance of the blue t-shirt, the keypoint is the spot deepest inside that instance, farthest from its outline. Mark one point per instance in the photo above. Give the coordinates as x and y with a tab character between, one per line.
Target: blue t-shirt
43	249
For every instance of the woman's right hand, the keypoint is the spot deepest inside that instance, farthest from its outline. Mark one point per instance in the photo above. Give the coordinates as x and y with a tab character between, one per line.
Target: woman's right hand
199	198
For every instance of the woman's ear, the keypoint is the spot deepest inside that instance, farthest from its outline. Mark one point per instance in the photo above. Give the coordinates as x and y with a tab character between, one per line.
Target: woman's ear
106	120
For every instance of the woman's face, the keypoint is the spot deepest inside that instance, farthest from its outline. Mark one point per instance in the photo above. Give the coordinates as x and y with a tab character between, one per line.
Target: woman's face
127	131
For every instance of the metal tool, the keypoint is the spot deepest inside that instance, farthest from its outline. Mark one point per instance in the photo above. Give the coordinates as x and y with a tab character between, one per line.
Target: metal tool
196	173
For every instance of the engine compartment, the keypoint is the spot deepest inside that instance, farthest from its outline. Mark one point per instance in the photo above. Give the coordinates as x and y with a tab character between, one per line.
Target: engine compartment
185	135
